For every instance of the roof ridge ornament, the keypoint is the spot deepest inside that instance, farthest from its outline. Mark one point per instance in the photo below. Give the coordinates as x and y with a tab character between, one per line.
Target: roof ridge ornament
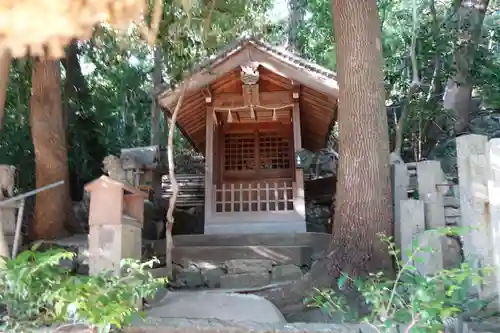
250	73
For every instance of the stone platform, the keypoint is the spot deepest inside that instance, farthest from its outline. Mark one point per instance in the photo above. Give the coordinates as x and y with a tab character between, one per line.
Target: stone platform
224	261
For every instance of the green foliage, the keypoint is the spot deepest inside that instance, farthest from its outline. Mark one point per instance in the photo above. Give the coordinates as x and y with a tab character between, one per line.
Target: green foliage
112	107
38	291
422	302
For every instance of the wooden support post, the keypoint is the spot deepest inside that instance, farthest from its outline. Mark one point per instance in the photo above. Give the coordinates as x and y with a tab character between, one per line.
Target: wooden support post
209	166
299	200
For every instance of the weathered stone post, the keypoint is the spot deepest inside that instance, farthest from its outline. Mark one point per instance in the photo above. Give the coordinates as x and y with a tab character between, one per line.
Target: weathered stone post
413	225
493	204
431	186
400	182
115	219
8	212
478	174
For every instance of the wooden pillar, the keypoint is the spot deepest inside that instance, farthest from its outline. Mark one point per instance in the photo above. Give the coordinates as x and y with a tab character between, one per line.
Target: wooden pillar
209	161
115	222
298	200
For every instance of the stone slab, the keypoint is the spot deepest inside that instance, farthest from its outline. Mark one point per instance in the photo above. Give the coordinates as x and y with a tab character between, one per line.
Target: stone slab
317	240
297	255
245	280
286	273
239	266
217	306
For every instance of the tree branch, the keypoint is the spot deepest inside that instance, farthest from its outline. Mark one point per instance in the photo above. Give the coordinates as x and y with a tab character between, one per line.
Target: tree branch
414	85
171	176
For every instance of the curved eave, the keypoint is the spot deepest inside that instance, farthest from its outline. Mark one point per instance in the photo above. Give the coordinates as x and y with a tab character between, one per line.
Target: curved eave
298	72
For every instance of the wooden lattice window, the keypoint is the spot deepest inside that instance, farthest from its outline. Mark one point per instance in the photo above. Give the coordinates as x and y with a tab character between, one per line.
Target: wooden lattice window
239	152
257	152
274	151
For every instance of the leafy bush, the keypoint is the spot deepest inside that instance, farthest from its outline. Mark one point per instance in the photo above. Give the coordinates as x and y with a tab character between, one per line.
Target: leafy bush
38	291
419	303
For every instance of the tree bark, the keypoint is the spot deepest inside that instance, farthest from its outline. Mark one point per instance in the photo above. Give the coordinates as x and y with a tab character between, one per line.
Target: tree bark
5	61
155	108
52	207
458	95
363	202
364	212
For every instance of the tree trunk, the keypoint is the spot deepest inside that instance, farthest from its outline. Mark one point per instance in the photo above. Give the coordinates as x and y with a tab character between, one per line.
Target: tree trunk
364	159
5	61
52	207
363	140
458	93
155	108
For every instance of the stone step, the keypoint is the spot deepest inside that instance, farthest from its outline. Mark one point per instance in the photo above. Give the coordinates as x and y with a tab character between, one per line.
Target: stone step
314	239
215	255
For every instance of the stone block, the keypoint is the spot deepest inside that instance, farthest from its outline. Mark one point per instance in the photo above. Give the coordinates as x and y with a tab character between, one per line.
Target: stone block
109	244
190	276
286	273
238	266
245	280
213	276
8	219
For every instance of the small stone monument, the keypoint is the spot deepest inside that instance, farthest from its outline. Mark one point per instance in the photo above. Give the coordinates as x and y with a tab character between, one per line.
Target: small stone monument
115	220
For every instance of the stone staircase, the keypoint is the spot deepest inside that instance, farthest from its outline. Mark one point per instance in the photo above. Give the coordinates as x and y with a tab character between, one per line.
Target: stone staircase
230	261
243	261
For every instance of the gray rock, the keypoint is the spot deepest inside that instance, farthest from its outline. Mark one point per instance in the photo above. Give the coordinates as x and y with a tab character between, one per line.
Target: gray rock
452	254
237	266
244	280
285	273
217	306
451	212
191	277
213	276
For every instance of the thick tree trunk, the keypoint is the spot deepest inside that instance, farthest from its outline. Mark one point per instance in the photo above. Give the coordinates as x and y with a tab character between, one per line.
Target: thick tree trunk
5	61
363	203
458	94
52	207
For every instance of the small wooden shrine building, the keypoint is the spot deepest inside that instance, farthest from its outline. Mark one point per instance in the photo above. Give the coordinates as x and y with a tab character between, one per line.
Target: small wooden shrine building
250	109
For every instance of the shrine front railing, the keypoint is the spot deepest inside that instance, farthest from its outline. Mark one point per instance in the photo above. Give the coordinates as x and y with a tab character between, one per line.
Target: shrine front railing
258	196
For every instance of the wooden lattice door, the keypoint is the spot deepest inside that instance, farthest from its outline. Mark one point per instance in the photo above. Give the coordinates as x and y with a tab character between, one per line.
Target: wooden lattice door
257	155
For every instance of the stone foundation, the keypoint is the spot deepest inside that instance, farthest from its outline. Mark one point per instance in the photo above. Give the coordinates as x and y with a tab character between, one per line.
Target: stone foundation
235	274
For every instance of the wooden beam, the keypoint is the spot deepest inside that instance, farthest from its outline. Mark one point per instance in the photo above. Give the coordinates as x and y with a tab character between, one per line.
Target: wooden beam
252	127
274	98
207	94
